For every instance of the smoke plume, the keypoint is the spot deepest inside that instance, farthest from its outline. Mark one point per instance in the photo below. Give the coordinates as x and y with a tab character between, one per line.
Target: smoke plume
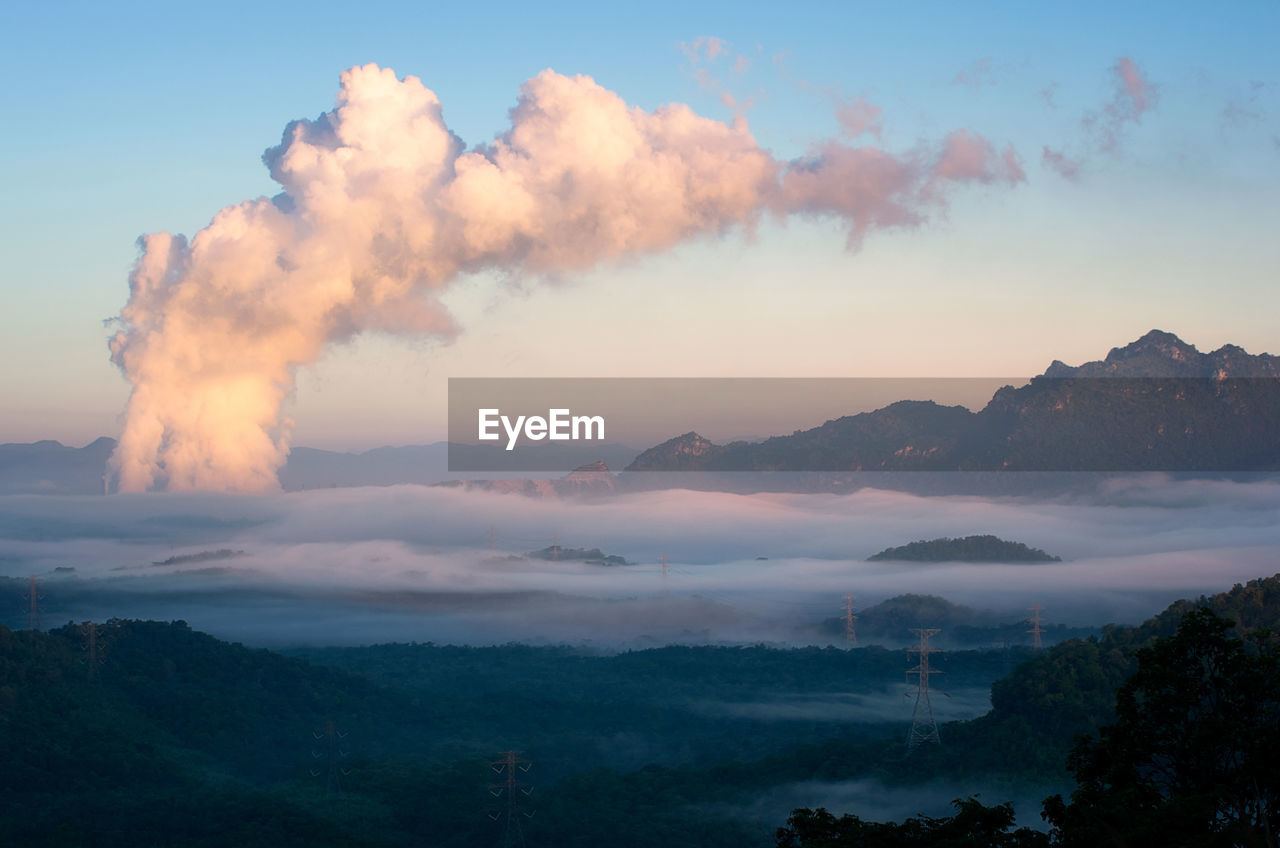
382	207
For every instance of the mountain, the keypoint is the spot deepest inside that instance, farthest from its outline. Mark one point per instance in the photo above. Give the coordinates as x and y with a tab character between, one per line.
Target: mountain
1161	354
889	624
1163	407
967	549
1069	689
905	436
591	556
54	468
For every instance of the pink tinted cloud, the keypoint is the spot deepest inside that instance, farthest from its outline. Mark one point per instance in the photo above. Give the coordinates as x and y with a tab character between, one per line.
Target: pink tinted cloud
706	51
859	116
1139	91
968	157
1134	96
1057	161
873	189
704	47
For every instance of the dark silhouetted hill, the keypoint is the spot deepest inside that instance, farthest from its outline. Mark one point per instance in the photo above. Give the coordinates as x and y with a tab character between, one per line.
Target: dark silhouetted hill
966	549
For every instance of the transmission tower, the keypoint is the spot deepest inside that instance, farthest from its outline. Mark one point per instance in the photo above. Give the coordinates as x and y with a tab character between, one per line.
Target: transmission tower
93	645
509	767
850	636
33	608
555	546
332	754
1036	630
923	727
664	567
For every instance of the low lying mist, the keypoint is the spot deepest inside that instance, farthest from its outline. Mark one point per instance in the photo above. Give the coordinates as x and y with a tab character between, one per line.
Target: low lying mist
360	565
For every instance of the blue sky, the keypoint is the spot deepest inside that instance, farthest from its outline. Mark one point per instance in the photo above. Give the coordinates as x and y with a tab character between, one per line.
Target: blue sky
133	118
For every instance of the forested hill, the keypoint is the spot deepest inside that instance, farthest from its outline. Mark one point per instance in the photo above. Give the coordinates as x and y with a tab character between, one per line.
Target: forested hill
1070	688
889	623
150	733
137	732
966	549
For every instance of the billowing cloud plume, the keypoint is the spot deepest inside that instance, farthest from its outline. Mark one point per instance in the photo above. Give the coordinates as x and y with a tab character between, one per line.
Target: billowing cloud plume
383	207
871	188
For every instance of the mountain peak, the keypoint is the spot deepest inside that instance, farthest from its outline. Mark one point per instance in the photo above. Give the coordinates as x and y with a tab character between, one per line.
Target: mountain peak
1156	342
1162	354
683	452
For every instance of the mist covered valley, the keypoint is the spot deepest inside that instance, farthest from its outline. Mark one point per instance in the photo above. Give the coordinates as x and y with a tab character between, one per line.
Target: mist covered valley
435	628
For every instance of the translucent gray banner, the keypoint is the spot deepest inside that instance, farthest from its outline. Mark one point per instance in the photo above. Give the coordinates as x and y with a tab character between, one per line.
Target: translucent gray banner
865	424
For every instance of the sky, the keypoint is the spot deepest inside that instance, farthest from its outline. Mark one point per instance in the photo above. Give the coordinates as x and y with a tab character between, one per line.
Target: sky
1143	159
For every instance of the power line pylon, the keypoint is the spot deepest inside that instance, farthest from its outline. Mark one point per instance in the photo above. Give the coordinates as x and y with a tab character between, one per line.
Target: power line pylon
509	767
1036	630
924	728
94	645
33	608
555	546
333	753
850	635
493	537
664	567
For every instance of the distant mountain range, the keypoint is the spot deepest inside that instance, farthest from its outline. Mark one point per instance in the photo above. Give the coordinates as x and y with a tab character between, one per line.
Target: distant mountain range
49	467
1155	404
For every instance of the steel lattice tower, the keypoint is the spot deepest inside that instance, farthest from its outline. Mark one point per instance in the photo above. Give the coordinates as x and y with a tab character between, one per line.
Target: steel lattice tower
510	789
924	728
850	635
33	609
333	754
1036	630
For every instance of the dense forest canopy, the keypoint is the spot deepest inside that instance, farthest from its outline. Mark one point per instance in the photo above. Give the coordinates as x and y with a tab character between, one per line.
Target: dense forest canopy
131	731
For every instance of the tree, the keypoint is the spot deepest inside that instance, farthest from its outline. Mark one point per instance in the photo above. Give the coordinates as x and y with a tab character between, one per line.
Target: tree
1193	758
973	826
